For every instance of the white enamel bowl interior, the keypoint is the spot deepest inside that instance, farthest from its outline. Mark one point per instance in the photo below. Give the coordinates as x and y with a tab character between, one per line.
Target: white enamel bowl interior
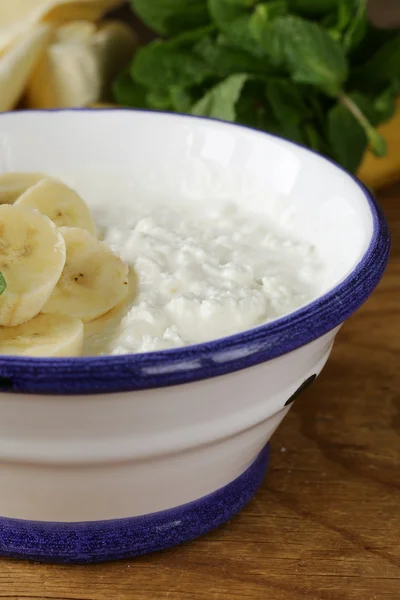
122	155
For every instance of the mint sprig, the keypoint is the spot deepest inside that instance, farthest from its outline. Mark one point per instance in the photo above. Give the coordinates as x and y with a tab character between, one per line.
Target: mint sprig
313	71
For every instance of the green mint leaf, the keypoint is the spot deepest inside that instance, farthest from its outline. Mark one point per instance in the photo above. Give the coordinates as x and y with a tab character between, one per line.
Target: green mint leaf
3	285
369	119
377	142
128	93
384	64
347	138
313	138
265	13
160	65
355	22
363	103
181	99
253	110
168	17
308	52
232	17
224	12
345	10
385	104
293	133
361	116
224	60
289	109
188	38
350	25
286	102
159	100
220	101
238	34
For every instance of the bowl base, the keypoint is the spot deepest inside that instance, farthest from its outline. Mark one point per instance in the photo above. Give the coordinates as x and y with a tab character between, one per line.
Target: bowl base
100	541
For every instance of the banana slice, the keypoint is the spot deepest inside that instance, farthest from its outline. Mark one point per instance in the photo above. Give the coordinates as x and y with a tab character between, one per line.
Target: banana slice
101	330
44	335
13	185
32	257
94	279
58	202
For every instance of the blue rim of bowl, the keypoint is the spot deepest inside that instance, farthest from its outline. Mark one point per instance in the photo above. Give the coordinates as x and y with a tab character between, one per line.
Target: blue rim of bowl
131	372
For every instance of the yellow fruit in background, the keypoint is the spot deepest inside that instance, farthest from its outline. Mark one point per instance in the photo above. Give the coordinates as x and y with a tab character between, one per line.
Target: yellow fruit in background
79	64
19	16
73	10
17	64
75	31
103	105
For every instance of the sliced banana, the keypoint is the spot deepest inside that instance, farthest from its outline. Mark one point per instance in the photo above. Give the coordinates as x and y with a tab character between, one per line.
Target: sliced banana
93	281
32	257
44	335
58	202
13	185
99	331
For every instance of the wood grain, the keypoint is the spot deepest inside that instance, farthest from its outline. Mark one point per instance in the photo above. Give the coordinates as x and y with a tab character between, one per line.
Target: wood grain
326	523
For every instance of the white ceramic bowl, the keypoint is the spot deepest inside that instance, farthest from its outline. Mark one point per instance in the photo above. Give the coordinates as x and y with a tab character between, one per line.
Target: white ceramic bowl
110	457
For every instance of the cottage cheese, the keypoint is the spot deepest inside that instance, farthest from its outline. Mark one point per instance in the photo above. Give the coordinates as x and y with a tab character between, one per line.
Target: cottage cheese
202	274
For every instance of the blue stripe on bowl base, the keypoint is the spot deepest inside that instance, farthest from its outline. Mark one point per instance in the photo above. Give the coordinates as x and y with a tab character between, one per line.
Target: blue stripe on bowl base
99	541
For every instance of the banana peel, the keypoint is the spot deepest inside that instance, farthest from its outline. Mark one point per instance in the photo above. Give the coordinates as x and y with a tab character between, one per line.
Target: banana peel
379	172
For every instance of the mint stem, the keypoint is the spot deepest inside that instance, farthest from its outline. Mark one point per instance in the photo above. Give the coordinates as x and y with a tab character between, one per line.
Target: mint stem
355	110
378	142
362	7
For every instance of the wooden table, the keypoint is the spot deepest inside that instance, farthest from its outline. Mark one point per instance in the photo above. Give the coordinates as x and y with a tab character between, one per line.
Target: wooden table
326	523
